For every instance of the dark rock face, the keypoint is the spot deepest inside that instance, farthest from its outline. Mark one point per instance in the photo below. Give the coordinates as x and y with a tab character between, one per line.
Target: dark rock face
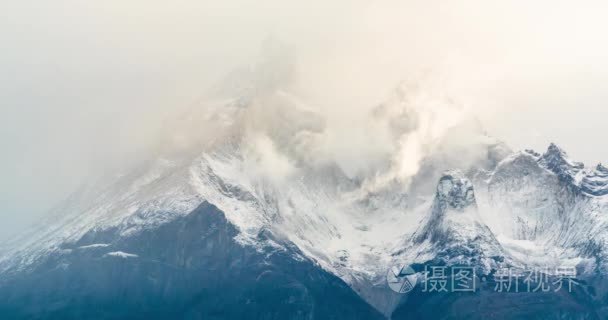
454	191
190	268
584	301
488	304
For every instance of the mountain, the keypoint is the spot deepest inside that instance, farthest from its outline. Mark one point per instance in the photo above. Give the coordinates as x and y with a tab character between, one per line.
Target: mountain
454	230
243	212
190	268
535	212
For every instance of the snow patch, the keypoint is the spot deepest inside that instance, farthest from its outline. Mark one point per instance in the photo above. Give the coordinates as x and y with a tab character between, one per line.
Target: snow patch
95	245
121	254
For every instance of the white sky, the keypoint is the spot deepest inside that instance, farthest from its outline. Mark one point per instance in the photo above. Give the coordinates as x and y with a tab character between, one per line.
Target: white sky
84	84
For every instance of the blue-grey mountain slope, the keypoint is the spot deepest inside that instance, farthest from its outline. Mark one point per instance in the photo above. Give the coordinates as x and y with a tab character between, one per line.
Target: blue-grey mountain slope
189	268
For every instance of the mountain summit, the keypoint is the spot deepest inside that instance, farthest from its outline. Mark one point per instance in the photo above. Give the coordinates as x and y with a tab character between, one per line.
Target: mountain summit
454	231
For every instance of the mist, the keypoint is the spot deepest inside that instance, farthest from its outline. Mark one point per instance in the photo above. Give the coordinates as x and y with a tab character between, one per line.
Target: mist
87	87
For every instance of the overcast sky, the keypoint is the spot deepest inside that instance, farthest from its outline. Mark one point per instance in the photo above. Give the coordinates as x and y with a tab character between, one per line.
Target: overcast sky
86	84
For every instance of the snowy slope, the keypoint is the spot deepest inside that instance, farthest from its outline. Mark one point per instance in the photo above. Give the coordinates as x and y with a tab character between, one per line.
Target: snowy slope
535	204
261	169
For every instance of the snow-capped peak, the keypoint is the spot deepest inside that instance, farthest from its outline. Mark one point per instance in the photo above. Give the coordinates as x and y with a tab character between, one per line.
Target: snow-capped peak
556	160
454	231
585	180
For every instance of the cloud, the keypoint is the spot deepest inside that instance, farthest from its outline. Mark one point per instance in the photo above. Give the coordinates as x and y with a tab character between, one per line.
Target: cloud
264	162
87	86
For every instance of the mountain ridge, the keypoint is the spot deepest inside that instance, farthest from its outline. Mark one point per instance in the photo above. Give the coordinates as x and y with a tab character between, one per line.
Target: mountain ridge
495	208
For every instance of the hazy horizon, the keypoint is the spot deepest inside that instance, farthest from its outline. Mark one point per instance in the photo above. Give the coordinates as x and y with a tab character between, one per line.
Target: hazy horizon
89	86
